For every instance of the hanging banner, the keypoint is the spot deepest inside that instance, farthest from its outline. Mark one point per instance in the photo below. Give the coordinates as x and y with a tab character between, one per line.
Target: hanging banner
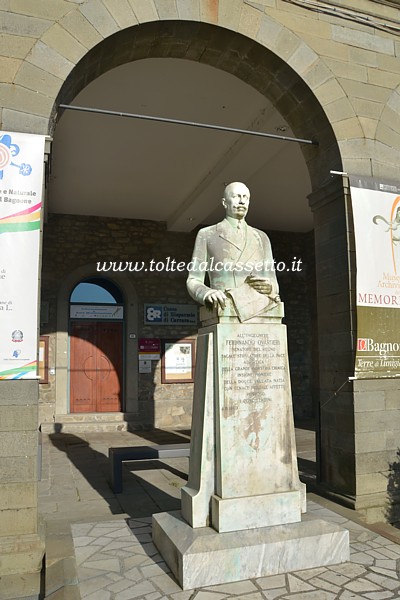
21	180
376	214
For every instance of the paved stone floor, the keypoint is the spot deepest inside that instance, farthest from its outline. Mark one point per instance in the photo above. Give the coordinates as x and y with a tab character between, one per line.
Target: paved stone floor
99	544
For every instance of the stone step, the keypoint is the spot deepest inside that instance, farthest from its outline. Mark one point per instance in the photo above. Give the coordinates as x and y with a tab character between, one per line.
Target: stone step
83	427
90	417
90	422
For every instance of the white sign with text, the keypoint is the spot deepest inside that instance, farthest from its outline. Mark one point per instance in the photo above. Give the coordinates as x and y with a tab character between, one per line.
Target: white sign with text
21	181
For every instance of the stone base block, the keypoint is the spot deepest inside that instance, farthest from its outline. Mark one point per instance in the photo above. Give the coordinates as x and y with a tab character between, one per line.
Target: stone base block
21	587
203	557
21	560
21	554
251	512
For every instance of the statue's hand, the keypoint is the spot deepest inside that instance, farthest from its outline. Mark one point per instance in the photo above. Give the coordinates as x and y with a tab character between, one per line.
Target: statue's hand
216	298
260	284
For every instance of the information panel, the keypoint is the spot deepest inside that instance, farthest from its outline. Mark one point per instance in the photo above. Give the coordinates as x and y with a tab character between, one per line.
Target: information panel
21	180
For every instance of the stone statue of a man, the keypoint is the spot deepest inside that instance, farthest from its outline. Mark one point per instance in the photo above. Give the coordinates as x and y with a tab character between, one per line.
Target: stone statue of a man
237	258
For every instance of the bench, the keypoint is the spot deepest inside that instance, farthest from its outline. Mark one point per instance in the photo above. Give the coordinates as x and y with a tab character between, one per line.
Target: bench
119	455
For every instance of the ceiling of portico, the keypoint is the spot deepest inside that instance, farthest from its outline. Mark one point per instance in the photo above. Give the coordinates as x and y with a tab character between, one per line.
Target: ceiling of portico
118	167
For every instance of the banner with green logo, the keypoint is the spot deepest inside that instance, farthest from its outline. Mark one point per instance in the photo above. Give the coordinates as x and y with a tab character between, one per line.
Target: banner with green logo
376	214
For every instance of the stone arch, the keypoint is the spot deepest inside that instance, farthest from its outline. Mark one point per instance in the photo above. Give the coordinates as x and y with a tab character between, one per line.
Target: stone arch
243	41
269	58
234	53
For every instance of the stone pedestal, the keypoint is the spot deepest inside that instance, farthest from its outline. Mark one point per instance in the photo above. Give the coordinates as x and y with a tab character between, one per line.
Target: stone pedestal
243	467
243	478
203	557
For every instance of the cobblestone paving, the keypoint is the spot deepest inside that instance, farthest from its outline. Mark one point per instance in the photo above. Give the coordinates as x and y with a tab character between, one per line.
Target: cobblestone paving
116	560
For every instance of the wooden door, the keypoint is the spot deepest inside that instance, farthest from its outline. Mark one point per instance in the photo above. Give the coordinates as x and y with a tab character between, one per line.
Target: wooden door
95	366
83	367
109	367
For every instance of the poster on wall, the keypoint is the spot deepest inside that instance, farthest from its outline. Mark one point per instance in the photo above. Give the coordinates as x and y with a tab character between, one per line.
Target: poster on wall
177	362
376	213
21	180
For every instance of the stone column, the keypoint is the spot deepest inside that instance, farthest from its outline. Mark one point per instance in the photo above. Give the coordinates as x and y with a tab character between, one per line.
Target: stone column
336	321
21	542
359	421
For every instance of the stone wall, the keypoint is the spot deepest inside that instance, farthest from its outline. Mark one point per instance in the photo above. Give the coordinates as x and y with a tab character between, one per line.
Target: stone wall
377	453
21	539
71	241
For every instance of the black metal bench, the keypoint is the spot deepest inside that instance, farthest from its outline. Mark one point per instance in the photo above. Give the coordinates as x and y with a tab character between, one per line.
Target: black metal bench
119	455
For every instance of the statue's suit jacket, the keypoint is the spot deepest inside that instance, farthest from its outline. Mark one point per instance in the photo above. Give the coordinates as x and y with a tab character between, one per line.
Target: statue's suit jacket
220	243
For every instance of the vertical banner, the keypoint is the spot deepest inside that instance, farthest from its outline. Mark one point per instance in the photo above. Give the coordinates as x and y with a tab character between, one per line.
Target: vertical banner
376	214
21	180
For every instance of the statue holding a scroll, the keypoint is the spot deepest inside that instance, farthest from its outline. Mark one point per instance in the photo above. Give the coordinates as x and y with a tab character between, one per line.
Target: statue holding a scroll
238	260
241	511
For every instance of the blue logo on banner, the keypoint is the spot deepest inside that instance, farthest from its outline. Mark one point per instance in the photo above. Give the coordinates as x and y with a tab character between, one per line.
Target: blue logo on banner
7	152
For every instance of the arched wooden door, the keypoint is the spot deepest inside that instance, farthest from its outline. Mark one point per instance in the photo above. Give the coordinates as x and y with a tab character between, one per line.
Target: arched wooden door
95	366
96	355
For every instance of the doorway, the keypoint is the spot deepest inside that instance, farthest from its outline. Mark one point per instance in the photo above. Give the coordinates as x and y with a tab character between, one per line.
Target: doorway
96	347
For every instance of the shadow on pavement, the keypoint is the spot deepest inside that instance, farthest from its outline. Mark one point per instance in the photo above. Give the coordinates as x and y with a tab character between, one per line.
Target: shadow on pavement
155	487
159	436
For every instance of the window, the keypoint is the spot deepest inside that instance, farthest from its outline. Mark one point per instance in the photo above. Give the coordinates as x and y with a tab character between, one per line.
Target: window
96	291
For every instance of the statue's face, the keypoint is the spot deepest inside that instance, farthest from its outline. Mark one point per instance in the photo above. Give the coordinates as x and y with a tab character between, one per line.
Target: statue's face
236	200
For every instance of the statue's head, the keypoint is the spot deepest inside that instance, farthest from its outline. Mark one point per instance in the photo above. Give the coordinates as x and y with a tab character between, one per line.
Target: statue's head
236	200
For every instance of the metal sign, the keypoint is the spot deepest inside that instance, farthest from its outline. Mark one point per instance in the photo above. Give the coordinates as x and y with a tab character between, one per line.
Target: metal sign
170	314
149	349
95	311
149	345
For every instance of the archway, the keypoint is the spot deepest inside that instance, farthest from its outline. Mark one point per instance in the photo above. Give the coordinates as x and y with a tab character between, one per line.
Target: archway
249	61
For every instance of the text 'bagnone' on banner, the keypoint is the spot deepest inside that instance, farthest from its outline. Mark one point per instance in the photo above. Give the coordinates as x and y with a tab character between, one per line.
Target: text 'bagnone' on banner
21	188
376	214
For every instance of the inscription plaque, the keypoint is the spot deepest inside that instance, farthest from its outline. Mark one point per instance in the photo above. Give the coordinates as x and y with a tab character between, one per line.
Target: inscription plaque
254	406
